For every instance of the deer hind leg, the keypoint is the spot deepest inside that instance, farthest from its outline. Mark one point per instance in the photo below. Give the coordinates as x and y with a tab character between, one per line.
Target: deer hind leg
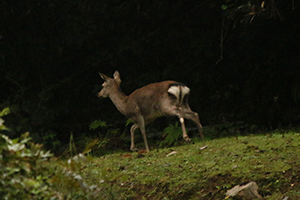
188	114
177	111
184	134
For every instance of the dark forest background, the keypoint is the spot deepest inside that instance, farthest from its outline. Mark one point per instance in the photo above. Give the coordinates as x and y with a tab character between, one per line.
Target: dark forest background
240	59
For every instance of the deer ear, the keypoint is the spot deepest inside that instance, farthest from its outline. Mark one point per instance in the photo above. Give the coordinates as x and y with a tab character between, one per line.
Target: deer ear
103	76
117	77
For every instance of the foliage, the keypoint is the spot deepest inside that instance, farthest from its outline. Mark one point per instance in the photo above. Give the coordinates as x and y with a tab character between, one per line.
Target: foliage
23	169
230	130
72	146
26	173
4	112
245	11
50	140
172	135
106	134
97	123
71	182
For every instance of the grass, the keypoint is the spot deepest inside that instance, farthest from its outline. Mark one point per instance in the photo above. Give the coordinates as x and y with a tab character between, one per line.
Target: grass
193	172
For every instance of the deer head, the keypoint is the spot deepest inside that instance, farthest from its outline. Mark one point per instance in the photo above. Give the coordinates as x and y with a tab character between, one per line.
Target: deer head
110	84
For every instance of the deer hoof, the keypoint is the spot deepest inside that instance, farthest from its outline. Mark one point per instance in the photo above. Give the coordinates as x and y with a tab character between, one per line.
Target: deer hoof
134	149
187	139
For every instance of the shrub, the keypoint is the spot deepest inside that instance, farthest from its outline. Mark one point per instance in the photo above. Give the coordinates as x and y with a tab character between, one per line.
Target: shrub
172	135
22	171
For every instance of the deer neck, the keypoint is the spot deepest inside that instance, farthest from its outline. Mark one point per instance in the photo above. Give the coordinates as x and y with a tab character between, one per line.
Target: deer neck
119	99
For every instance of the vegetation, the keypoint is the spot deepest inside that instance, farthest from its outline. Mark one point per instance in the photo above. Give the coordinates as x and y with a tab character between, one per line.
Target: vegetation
196	172
23	166
204	170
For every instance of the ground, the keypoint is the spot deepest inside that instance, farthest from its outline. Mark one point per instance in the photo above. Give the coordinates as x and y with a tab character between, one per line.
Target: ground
204	170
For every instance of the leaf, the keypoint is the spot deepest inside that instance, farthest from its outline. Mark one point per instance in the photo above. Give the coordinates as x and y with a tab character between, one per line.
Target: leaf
1	122
97	123
129	121
56	143
173	133
26	166
2	126
7	140
90	146
16	147
25	140
224	7
11	170
46	154
4	112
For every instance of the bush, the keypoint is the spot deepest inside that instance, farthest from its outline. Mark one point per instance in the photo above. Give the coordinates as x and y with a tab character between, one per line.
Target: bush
172	135
26	173
23	174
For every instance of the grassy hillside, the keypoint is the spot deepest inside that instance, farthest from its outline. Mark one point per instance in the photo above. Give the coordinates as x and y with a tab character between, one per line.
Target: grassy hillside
204	170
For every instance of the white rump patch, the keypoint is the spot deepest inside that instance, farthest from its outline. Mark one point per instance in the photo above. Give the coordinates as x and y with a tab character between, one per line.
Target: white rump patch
179	91
185	90
175	90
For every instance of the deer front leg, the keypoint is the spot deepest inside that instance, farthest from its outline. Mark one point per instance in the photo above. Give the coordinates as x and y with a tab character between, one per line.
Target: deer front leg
184	134
145	137
132	129
141	123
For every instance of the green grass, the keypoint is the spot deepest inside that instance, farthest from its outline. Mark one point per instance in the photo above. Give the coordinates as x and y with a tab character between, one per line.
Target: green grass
271	160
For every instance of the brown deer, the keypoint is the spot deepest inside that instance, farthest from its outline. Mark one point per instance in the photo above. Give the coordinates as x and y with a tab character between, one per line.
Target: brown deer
144	105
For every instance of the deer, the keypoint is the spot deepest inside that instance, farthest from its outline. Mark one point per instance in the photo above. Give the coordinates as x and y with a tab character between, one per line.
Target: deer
144	105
